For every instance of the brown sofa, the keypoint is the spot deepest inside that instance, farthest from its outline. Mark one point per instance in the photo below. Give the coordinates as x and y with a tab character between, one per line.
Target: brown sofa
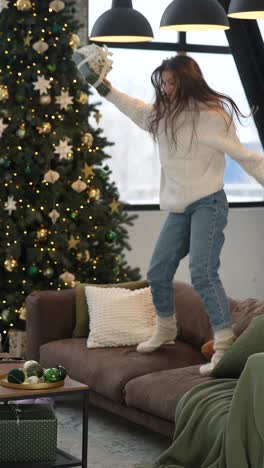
144	388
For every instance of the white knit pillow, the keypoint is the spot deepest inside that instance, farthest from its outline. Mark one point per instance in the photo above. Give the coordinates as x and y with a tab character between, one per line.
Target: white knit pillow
119	316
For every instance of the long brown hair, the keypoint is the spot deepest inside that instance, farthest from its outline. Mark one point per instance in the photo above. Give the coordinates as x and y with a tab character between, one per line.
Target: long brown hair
191	91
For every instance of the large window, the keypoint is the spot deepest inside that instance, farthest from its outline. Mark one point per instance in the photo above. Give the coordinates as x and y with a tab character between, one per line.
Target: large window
134	156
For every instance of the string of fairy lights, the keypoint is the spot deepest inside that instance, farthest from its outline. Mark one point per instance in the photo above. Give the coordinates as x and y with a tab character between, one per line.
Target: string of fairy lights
46	90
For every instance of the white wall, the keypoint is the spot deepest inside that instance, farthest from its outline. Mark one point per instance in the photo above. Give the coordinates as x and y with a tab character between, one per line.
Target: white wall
242	261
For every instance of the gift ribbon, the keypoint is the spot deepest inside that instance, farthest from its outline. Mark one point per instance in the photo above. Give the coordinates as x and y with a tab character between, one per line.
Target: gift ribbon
16	410
104	53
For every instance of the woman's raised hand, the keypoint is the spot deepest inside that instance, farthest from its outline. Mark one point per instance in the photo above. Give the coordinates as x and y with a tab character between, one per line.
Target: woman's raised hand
107	83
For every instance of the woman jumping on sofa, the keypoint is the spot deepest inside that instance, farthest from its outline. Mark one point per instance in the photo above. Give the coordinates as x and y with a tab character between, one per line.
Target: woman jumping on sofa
194	127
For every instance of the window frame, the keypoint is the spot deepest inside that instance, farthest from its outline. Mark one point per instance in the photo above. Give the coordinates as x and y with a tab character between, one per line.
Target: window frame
182	46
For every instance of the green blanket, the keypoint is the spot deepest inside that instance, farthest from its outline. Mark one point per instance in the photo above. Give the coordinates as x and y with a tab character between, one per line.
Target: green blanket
220	424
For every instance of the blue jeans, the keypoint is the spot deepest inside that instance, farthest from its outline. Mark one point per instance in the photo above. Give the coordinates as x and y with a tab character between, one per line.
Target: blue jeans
198	231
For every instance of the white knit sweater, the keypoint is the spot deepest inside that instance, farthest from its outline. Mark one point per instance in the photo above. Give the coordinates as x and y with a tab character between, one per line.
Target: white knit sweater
196	167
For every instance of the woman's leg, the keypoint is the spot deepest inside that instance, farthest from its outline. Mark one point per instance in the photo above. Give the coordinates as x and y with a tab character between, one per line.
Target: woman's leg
171	247
208	220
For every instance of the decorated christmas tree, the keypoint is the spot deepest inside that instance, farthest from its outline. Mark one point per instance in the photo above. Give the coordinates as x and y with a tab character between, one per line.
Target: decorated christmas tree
61	220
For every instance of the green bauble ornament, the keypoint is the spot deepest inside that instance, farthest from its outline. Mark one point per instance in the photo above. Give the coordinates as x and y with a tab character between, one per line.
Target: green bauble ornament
6	163
20	98
27	170
33	270
29	116
73	215
116	270
51	67
48	272
52	375
103	174
110	236
56	28
62	372
16	376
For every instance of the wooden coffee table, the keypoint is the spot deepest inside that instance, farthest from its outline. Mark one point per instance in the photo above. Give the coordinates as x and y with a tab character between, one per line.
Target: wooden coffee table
70	387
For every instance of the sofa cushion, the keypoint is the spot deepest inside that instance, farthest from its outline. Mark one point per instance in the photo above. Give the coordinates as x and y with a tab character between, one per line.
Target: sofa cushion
119	316
244	312
251	341
81	328
193	323
107	370
158	393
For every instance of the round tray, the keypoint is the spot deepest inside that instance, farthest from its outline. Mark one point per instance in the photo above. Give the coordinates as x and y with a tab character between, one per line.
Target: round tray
26	386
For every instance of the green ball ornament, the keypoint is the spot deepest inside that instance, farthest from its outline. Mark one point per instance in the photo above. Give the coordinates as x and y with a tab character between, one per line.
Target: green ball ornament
6	163
116	270
27	170
33	270
51	67
29	116
110	236
51	375
16	376
20	98
62	371
73	215
56	28
103	174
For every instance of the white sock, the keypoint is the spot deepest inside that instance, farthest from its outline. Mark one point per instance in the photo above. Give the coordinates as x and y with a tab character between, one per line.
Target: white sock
165	332
223	339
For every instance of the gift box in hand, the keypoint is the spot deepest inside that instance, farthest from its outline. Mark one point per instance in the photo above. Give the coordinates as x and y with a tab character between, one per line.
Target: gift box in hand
94	64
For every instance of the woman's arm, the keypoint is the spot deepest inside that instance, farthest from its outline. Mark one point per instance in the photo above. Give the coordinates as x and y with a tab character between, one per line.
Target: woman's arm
227	141
137	110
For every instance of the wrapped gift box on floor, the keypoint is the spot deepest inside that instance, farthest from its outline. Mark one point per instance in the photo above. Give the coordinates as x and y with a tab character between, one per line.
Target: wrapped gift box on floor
28	433
17	342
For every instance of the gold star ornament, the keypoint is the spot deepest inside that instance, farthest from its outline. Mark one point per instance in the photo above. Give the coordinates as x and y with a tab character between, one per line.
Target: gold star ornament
72	243
115	206
88	171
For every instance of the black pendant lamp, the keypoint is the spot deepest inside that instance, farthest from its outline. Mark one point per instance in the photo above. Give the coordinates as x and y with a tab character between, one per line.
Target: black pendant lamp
121	24
194	15
246	9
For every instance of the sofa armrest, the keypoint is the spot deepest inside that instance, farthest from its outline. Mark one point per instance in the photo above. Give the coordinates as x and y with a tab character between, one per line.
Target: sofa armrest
50	316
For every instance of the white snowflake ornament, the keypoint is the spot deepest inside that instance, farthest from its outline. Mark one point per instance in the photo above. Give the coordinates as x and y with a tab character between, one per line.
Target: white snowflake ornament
10	205
42	85
3	5
64	100
63	149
